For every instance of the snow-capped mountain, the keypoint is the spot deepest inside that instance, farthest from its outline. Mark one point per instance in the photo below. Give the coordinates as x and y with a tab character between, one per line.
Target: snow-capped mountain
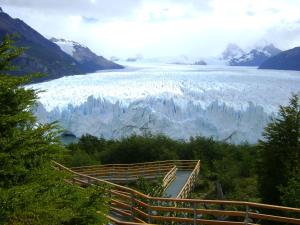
255	57
176	100
84	56
41	55
232	51
66	45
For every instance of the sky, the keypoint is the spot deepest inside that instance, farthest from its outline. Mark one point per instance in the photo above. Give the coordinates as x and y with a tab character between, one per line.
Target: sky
159	28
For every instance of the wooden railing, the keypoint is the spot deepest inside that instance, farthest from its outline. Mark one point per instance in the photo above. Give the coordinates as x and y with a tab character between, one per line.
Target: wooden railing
169	178
187	188
124	173
138	208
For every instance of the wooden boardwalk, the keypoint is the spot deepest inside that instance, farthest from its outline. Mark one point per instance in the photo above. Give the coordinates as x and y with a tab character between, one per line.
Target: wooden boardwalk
128	206
175	187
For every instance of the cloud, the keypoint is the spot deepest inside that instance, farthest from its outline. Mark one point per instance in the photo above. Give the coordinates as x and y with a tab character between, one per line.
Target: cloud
89	19
90	8
160	28
250	13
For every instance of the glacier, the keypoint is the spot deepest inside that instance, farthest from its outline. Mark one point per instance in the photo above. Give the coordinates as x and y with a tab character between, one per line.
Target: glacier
180	101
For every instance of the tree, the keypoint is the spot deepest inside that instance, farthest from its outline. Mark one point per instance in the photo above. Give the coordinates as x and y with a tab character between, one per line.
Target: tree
280	153
291	192
31	191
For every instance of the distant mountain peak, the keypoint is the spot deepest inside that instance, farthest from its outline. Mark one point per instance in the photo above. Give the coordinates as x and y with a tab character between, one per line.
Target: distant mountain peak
68	46
270	48
1	10
42	55
46	57
233	46
53	39
254	57
61	41
232	51
84	56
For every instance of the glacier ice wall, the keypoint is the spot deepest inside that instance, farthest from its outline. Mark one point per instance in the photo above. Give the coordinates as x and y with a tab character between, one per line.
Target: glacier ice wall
225	103
101	117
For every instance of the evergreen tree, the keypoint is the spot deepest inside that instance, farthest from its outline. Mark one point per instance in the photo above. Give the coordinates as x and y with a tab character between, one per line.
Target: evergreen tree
31	191
280	153
291	192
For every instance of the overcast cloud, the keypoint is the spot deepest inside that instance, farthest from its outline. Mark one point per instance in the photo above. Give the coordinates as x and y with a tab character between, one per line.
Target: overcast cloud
196	28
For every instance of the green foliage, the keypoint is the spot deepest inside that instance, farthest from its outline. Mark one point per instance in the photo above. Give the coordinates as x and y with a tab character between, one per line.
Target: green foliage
140	149
280	153
8	52
47	199
291	192
152	188
87	151
92	150
31	191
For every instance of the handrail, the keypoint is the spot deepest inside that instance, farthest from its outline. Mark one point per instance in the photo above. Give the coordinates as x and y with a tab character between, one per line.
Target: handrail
192	211
170	174
125	173
133	164
167	172
190	182
167	180
135	167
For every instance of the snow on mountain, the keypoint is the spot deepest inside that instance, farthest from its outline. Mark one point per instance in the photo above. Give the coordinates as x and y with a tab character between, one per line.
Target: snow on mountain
232	51
84	56
176	100
66	45
41	55
255	57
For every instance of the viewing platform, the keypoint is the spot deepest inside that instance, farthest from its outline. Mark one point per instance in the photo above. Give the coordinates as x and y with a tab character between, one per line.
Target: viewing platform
129	206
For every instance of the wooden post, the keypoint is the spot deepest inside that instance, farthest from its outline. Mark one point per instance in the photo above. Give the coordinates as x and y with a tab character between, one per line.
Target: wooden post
195	213
149	210
132	206
246	216
110	198
111	174
159	169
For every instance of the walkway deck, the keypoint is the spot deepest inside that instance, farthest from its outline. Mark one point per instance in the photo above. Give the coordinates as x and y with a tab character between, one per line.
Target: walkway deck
175	187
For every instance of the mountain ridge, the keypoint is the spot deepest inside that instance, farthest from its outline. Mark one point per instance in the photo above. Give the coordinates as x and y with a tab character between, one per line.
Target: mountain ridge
41	55
286	60
84	56
235	56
